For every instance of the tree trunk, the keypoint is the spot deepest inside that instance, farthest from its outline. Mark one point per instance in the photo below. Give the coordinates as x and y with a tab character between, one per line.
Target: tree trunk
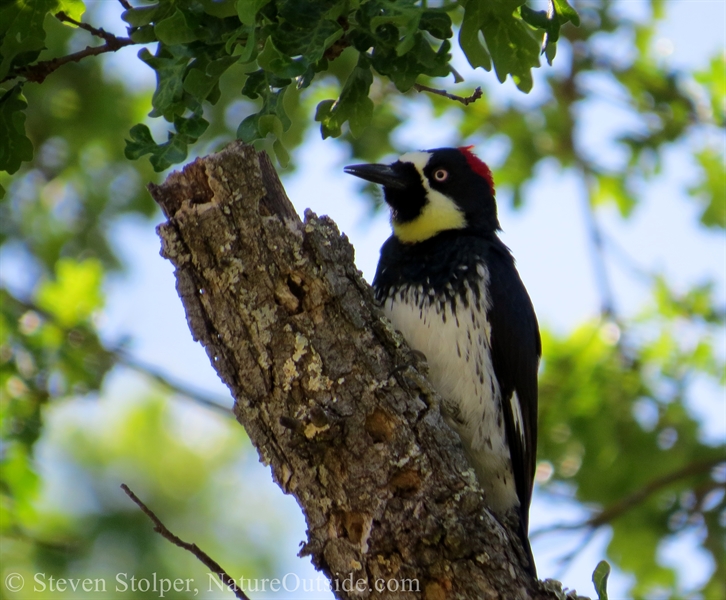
328	393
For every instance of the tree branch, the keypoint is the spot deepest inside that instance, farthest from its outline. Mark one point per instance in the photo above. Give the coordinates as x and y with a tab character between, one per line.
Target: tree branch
215	403
40	70
104	35
419	87
122	357
607	299
329	394
203	557
637	497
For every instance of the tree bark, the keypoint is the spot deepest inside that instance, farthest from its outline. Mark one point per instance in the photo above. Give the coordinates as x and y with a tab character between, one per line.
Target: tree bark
329	394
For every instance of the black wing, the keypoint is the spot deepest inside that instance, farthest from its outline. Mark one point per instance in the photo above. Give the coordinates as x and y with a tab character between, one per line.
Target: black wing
516	349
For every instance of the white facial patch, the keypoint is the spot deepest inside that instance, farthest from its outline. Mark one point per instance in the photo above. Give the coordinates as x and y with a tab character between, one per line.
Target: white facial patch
418	160
440	212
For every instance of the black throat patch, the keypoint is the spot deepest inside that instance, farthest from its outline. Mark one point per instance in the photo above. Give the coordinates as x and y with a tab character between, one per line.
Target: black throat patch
439	271
408	203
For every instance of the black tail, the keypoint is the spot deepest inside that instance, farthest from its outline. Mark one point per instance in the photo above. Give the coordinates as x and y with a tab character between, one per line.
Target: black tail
524	538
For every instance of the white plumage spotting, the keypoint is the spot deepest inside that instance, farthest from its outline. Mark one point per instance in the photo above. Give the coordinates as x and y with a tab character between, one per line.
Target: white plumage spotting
457	346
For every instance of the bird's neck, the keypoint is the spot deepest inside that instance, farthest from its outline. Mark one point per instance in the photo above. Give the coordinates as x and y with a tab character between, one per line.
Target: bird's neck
447	259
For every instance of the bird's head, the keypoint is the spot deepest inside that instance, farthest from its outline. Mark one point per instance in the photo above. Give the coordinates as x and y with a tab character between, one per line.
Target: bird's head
435	190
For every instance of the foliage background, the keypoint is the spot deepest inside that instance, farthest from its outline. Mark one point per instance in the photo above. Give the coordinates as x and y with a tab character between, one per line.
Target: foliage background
612	190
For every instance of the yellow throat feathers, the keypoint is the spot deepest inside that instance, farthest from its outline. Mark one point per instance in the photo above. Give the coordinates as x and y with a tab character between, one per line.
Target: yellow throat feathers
439	214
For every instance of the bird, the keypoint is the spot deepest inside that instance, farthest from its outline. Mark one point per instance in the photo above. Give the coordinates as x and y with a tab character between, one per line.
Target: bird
449	284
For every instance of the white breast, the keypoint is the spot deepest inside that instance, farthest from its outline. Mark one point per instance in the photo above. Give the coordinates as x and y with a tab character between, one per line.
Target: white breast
457	345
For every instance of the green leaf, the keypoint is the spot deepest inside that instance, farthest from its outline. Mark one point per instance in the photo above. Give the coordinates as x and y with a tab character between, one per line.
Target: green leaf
421	60
509	43
550	51
475	52
220	8
405	20
249	51
141	142
248	130
714	80
514	50
307	42
612	188
271	89
19	480
143	35
600	579
201	82
187	131
190	128
269	124
353	106
711	190
281	153
22	33
405	16
216	68
170	64
75	293
15	147
566	12
247	10
274	61
559	13
73	8
174	30
437	23
257	126
145	15
260	83
536	18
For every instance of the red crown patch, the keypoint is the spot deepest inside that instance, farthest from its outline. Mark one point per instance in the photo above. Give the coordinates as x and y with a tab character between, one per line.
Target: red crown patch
478	165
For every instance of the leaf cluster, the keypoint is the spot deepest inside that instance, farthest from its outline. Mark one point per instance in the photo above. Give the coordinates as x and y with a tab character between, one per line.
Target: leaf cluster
53	351
619	409
279	45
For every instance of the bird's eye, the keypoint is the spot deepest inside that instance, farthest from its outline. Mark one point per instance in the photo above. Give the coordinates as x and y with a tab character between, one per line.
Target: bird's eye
441	175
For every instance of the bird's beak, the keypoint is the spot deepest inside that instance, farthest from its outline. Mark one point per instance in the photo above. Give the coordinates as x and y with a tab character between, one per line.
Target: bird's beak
382	174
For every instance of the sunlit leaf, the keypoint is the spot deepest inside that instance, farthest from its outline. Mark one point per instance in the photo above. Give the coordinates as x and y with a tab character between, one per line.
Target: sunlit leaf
75	293
613	189
566	12
714	80
711	190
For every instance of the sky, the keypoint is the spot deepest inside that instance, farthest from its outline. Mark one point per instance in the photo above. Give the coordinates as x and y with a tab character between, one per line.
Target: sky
547	239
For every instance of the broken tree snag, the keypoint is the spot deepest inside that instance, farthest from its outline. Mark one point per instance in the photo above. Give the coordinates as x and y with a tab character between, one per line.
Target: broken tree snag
329	395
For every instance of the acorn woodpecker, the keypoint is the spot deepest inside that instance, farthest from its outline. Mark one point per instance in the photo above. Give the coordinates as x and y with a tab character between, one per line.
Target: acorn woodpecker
449	285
